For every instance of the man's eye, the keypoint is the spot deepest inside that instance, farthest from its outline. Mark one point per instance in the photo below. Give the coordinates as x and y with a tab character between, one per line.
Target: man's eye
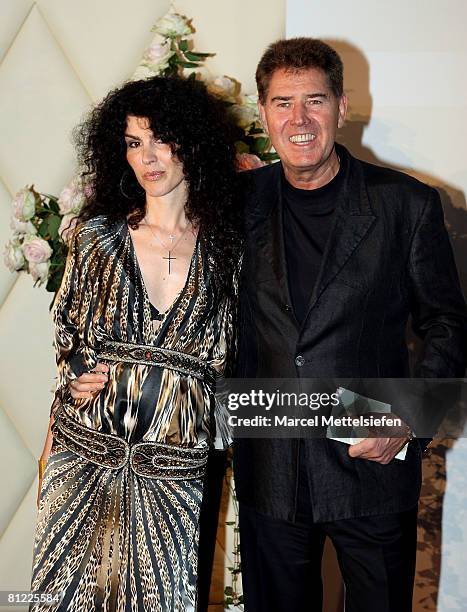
314	102
284	104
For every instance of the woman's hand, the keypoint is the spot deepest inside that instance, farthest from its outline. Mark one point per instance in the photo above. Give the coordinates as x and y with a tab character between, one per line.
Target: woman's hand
91	383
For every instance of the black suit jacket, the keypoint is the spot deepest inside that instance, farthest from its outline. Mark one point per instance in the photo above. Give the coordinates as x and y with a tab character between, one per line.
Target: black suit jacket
388	256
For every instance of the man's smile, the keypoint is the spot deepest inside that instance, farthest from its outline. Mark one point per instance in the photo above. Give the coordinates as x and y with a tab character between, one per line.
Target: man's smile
302	138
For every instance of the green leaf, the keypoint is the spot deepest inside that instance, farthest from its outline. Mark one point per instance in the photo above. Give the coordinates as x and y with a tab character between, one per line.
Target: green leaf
183	45
187	64
268	156
199	54
54	224
54	206
242	147
260	144
194	57
43	228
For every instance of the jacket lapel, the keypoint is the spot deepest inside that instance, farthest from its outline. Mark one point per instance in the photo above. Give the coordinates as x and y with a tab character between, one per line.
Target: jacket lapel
268	233
354	218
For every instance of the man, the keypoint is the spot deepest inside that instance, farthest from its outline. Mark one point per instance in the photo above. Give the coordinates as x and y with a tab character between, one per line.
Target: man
339	253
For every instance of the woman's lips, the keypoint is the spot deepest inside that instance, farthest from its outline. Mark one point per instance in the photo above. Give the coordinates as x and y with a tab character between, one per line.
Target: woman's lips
153	176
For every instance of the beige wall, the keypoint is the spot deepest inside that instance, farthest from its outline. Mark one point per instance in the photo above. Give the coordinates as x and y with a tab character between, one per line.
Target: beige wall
56	58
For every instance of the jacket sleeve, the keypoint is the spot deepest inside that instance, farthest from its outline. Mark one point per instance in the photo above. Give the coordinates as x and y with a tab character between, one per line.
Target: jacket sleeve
437	305
72	318
439	318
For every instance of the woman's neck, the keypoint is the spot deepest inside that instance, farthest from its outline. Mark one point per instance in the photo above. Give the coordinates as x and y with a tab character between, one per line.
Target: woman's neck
166	212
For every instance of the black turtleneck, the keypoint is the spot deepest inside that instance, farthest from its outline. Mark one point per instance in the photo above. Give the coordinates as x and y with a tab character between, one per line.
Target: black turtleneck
308	217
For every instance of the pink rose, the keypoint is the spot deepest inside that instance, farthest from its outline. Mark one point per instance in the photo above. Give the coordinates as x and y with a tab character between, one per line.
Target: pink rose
22	227
39	271
248	161
13	255
73	196
36	250
24	205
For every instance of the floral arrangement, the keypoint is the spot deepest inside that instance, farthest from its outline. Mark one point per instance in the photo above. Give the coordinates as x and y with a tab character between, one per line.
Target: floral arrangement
43	223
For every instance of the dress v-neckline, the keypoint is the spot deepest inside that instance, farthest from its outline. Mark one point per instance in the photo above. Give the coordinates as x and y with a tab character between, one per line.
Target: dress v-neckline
147	302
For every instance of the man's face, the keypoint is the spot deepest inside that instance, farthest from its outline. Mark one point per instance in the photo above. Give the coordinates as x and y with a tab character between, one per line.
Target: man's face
302	114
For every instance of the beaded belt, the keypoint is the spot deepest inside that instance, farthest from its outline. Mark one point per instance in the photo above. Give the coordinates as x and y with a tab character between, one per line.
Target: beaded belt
160	357
150	459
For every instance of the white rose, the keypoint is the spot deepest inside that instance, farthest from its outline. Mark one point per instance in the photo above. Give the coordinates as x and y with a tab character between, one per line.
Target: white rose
142	72
251	100
67	227
22	227
157	56
173	25
39	271
243	115
24	205
223	87
13	255
36	250
72	197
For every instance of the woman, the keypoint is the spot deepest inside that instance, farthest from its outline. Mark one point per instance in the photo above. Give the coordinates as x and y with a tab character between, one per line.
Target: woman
149	289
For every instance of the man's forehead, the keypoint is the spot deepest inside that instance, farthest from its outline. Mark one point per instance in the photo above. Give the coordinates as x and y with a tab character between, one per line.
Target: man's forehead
297	79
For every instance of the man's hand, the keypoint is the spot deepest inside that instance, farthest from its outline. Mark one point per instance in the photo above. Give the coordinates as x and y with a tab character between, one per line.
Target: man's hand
382	449
90	384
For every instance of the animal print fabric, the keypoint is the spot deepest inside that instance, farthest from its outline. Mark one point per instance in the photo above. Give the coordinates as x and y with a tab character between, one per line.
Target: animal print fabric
112	539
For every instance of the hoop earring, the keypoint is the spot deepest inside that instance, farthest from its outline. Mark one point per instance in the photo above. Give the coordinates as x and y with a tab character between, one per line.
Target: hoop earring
125	195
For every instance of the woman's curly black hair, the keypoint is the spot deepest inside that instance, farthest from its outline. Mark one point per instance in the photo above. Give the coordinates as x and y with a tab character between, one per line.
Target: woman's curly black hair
183	114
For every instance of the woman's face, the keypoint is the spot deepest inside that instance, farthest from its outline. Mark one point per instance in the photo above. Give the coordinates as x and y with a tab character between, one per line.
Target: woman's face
156	168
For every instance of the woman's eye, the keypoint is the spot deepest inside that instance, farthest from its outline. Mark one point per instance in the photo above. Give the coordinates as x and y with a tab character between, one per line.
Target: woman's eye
133	144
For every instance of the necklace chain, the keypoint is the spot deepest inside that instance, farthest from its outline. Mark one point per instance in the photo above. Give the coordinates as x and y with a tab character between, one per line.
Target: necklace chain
172	247
172	237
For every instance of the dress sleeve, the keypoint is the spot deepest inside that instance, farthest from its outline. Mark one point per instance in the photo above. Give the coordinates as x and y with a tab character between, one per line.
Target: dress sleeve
224	364
72	318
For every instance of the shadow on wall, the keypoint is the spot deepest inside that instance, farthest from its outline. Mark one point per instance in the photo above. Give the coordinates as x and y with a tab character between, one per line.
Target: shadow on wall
357	80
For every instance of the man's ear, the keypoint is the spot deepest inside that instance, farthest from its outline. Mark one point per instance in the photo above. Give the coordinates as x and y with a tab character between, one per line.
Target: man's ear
342	111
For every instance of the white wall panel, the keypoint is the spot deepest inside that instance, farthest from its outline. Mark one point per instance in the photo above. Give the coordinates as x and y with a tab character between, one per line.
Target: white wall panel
42	99
27	361
103	40
14	12
6	278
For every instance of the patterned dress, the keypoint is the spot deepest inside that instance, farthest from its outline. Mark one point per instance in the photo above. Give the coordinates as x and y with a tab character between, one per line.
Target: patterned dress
119	507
